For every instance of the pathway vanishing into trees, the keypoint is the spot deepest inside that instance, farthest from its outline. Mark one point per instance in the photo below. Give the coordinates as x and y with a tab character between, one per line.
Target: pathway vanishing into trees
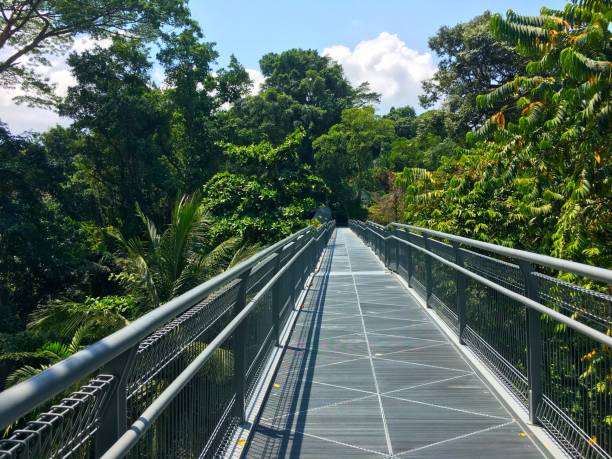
367	373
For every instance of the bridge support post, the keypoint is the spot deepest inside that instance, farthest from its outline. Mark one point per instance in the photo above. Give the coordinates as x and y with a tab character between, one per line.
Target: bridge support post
534	343
428	274
240	344
461	284
113	419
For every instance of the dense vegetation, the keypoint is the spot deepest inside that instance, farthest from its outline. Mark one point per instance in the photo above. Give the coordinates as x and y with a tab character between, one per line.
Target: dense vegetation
155	188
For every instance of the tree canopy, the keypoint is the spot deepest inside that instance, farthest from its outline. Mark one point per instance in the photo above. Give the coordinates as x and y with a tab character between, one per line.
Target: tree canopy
472	61
157	184
32	31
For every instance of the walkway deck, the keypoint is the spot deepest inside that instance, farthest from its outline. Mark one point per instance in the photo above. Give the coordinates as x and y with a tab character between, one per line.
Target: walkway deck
368	374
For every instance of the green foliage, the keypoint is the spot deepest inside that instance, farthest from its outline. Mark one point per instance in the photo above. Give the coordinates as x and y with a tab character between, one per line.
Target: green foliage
428	143
34	30
472	61
193	96
42	250
562	135
404	120
266	194
541	181
121	143
99	316
345	155
47	355
302	89
166	264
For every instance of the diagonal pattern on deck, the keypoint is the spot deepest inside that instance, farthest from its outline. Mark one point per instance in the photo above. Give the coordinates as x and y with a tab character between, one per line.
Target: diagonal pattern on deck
368	374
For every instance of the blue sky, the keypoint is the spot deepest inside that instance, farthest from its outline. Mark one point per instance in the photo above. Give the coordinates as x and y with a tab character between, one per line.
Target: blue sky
252	28
383	42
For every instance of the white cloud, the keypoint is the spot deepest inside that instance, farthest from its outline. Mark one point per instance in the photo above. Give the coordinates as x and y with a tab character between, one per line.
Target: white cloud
22	118
392	69
257	78
86	43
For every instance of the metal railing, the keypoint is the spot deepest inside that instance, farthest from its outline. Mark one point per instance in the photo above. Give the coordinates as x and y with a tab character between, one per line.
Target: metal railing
548	341
173	383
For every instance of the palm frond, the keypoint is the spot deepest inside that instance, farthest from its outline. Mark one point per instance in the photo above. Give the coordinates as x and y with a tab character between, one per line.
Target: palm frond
244	252
23	373
75	343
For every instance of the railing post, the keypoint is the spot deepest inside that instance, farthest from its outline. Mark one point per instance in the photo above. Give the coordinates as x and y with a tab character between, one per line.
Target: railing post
240	344
534	342
397	252
428	276
113	419
409	266
292	273
276	299
313	251
386	250
461	285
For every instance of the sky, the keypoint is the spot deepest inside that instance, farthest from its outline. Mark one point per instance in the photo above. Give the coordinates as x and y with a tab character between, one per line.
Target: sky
383	42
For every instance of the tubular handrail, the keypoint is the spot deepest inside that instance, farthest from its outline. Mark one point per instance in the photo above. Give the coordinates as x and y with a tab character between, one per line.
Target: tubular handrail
18	400
129	439
572	323
546	340
593	272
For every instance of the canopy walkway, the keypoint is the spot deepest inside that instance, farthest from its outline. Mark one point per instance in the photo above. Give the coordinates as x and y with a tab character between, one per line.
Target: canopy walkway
351	342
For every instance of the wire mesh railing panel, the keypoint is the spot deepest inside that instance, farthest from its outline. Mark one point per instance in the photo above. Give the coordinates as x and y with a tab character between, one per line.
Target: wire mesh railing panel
501	272
63	430
587	306
444	284
260	276
556	367
213	394
577	381
172	344
496	325
496	331
577	371
260	339
418	279
195	422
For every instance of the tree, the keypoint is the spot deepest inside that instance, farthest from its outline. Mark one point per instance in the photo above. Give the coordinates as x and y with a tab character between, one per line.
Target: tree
312	79
302	89
122	149
31	31
425	148
193	95
43	252
404	120
560	140
472	61
164	265
345	155
266	193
